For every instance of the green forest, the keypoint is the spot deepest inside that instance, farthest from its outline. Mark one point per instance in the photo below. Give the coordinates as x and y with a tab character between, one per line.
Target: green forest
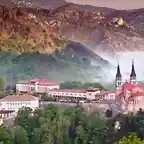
54	125
80	85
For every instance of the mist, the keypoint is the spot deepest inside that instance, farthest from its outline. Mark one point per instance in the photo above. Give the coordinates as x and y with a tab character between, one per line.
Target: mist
125	62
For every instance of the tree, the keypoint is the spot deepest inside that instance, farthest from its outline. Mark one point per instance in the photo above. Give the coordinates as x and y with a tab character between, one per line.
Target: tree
20	135
23	117
2	83
70	85
92	85
54	126
131	139
77	85
128	124
11	89
2	94
5	136
29	121
46	97
58	125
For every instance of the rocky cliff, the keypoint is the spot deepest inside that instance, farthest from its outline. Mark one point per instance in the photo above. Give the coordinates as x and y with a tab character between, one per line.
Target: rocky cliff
46	30
111	33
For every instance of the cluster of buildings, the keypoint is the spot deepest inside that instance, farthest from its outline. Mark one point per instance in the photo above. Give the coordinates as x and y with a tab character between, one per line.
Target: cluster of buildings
128	96
37	85
42	85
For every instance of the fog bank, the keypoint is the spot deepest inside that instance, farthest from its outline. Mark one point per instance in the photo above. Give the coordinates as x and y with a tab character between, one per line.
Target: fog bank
125	62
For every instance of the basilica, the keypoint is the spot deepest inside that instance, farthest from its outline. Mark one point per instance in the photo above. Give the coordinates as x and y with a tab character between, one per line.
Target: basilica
130	94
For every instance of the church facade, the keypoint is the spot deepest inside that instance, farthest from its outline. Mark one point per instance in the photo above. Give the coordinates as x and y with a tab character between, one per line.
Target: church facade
130	94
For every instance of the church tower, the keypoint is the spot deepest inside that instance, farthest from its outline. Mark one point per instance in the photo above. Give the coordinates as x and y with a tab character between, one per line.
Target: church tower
118	81
133	74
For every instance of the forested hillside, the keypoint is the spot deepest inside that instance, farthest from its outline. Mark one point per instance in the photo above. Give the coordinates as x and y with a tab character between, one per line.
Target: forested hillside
72	126
74	63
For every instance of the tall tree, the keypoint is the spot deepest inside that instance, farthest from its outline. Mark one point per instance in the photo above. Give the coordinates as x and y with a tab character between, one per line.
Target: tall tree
23	117
5	136
131	139
2	83
20	135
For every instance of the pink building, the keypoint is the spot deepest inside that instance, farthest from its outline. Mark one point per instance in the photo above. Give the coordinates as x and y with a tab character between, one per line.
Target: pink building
129	95
38	85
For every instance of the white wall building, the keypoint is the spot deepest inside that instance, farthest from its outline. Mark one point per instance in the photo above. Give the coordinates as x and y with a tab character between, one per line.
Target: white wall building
15	102
5	114
74	94
38	85
105	95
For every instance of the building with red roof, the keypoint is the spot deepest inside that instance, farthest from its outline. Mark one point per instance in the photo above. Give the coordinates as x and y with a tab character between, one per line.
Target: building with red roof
42	85
15	102
38	85
74	94
130	94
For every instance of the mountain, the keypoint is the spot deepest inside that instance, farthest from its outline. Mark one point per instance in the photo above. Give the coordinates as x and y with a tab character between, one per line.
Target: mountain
75	62
22	31
63	35
109	34
26	41
52	4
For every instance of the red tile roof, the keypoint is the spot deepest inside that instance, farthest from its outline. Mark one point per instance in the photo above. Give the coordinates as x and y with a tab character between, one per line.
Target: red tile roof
128	86
70	90
140	85
137	94
40	81
131	87
19	98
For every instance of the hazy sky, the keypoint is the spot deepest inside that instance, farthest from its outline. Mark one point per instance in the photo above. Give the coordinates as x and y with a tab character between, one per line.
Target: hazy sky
117	4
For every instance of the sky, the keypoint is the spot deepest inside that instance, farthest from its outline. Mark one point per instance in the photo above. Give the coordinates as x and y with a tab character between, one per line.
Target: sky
125	61
116	4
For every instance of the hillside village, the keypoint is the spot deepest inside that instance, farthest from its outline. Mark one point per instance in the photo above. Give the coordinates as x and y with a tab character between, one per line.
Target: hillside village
127	97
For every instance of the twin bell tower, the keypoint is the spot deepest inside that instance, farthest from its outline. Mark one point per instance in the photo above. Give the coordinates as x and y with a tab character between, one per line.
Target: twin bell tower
119	81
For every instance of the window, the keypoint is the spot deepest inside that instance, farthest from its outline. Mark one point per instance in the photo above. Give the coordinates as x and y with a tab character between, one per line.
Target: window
32	88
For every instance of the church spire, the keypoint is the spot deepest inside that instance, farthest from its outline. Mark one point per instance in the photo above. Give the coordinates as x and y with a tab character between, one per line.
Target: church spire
118	81
133	74
118	74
